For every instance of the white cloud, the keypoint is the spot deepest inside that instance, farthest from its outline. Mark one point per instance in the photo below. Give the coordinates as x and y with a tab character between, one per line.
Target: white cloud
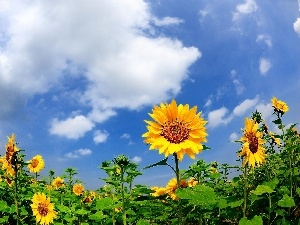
242	108
264	65
265	109
72	128
208	103
137	159
239	87
166	21
78	153
216	117
100	136
246	8
125	136
108	44
297	26
233	137
264	38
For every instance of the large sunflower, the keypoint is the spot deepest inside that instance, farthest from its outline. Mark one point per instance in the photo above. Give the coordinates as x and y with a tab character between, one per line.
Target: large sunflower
42	209
176	129
252	150
279	105
36	164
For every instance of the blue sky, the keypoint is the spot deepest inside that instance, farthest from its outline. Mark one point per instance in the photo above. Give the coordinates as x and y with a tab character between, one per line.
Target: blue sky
78	79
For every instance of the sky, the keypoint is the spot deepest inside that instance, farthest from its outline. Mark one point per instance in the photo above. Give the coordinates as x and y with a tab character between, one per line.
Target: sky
78	78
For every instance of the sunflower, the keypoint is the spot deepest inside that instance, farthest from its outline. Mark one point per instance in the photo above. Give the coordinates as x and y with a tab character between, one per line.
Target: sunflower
78	189
176	129
36	164
158	191
192	182
11	150
279	106
42	209
172	186
252	148
58	182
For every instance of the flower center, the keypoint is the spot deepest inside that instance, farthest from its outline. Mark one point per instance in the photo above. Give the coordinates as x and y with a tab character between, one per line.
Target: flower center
253	142
43	209
34	163
175	131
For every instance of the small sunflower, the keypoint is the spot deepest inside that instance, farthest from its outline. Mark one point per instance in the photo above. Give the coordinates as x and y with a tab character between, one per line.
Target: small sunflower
36	164
58	182
279	106
11	150
42	209
158	191
78	189
176	129
252	148
192	182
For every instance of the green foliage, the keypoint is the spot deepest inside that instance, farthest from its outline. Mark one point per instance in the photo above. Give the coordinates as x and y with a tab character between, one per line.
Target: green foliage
209	193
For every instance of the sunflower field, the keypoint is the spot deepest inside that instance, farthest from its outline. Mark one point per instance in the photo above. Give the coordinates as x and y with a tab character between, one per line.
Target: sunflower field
266	189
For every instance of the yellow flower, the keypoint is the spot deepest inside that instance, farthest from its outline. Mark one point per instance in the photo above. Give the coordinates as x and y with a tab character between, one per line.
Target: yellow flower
158	191
279	105
192	182
176	129
42	209
172	186
11	150
274	139
58	182
78	189
252	148
36	164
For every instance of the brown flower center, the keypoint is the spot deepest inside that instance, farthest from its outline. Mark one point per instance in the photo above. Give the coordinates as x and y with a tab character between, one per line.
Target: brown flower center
253	142
175	131
43	209
34	163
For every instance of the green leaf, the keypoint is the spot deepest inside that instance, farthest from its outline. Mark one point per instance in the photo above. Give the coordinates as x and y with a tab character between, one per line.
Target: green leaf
261	189
98	216
142	222
206	148
235	204
81	212
286	201
199	195
278	121
105	203
4	207
256	220
160	163
298	191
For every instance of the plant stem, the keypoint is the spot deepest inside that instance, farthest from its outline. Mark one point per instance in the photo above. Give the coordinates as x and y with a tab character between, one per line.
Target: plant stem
123	198
270	205
245	191
180	221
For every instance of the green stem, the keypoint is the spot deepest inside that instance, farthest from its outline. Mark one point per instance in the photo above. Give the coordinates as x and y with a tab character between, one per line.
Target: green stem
123	198
180	221
245	191
270	206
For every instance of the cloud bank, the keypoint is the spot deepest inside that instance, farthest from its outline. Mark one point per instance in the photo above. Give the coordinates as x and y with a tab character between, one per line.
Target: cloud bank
110	49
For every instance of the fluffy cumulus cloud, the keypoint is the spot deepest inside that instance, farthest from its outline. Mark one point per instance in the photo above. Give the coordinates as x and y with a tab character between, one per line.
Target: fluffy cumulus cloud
233	137
100	136
137	159
264	65
110	46
72	128
78	153
217	117
297	26
166	21
222	116
248	7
